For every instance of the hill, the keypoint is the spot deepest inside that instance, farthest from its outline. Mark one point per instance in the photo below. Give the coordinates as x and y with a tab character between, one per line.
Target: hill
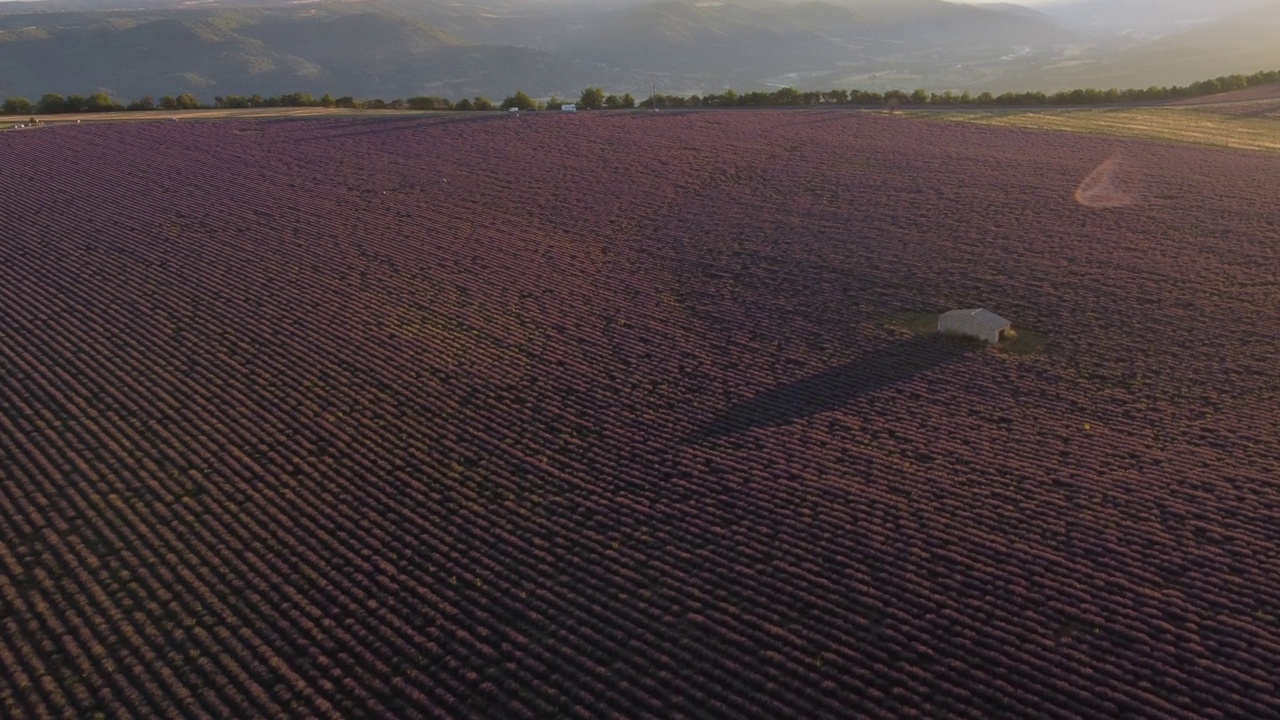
1140	20
392	49
1240	43
335	48
615	414
702	46
402	48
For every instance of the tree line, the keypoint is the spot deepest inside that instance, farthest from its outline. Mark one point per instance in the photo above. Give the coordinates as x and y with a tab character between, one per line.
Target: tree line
594	98
790	97
54	104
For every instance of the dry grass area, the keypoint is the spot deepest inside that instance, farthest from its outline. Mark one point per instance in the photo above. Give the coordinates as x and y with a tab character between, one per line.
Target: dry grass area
1023	342
917	323
1155	123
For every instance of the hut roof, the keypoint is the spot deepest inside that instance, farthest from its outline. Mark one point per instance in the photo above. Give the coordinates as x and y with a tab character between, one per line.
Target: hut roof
981	315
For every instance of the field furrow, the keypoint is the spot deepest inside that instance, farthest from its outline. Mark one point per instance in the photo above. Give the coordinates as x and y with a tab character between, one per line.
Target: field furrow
623	415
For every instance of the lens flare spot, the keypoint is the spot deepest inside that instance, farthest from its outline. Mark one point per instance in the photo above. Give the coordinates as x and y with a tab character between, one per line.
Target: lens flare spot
1110	185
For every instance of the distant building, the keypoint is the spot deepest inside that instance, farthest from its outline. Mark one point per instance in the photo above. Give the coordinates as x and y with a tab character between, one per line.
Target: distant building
979	323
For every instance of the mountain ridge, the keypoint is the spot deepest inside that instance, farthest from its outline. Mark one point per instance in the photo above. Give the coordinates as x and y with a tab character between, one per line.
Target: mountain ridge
403	48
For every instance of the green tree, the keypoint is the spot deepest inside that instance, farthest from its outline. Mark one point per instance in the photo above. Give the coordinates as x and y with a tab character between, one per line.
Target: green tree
894	98
709	100
553	103
591	99
866	97
482	103
669	101
519	101
785	96
232	101
75	103
298	99
145	103
102	102
51	103
628	101
919	96
424	102
187	101
17	106
463	104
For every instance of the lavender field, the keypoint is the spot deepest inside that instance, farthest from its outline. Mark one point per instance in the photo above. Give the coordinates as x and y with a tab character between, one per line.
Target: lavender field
614	415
